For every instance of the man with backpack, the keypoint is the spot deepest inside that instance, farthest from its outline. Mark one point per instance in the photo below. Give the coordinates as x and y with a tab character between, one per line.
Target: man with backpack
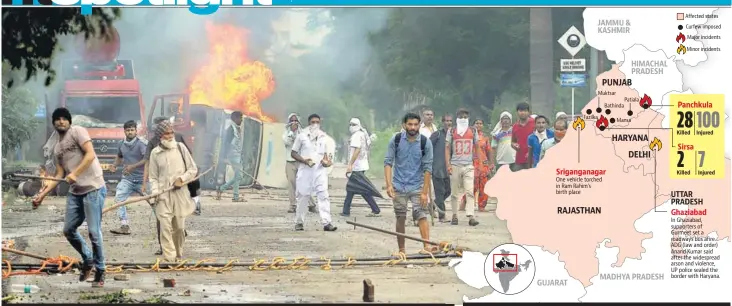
460	146
408	170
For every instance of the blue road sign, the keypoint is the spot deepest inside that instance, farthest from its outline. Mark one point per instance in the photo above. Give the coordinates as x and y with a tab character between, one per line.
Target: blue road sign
572	80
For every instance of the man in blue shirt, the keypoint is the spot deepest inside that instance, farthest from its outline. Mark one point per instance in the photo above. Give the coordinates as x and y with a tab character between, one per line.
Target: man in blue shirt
131	154
535	140
408	171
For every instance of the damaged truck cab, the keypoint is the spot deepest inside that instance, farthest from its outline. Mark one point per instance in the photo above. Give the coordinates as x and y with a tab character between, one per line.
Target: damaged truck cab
102	93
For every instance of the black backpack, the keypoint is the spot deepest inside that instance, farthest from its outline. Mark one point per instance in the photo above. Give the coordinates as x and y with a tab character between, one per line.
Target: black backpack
398	139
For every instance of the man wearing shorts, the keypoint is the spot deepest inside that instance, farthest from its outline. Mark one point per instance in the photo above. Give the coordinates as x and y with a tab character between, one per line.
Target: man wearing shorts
408	171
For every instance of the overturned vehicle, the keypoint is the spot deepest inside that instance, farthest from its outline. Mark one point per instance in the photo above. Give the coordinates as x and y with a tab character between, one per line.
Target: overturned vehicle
204	127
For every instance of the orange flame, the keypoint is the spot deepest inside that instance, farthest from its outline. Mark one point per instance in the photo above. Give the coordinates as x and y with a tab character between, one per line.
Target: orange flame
230	79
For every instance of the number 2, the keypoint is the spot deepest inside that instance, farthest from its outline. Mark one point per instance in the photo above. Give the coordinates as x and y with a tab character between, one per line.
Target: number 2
680	164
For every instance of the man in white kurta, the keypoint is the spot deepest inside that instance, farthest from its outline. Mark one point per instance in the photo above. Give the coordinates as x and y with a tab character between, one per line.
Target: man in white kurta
309	150
170	166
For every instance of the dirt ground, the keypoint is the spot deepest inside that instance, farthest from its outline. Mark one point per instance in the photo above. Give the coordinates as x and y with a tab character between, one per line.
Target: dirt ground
259	229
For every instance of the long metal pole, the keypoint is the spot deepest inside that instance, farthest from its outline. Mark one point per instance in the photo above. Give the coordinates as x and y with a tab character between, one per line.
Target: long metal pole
392	233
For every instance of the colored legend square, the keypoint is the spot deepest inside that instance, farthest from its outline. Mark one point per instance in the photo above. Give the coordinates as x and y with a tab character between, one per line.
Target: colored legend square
679	16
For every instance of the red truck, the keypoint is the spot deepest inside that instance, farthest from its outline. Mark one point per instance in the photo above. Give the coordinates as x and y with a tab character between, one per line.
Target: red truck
101	93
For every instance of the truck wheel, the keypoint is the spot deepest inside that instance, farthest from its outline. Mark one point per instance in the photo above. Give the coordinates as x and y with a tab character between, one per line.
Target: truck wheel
62	189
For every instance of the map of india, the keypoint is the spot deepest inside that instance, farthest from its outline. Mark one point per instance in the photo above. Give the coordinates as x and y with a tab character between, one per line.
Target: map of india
637	194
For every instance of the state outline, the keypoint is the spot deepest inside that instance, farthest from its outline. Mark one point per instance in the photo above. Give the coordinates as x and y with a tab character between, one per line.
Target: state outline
672	57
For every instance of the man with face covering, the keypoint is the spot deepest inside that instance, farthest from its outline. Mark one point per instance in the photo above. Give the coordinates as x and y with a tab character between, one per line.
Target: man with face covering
171	165
358	163
560	116
291	131
560	129
153	143
309	149
460	145
231	149
75	158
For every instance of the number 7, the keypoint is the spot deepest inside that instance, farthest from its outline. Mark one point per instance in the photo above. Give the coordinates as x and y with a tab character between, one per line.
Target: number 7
701	158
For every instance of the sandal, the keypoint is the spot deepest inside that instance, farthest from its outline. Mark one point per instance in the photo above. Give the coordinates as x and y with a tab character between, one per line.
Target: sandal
430	250
239	200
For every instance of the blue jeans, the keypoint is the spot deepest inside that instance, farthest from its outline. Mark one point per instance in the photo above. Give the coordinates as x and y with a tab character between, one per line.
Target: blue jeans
125	188
234	182
87	206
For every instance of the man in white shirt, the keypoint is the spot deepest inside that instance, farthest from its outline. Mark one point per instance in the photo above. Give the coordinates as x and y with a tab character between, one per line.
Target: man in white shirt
291	131
428	126
358	164
309	149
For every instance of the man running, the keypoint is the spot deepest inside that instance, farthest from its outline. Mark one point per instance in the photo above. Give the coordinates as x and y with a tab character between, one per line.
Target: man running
407	171
74	156
460	145
309	150
440	177
131	153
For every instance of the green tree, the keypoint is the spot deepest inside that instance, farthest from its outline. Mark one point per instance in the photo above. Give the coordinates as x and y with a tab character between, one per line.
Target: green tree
19	107
30	35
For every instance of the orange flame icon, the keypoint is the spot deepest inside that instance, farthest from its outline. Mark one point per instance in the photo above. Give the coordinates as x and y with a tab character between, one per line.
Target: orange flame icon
656	144
578	123
681	49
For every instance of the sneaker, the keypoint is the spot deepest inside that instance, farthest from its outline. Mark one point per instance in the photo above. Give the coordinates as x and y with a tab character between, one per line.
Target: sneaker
329	228
299	227
197	212
291	210
345	215
473	222
85	272
454	220
123	230
313	209
159	252
98	279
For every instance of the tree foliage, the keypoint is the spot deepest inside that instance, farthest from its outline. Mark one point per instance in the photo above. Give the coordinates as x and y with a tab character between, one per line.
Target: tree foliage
30	35
18	124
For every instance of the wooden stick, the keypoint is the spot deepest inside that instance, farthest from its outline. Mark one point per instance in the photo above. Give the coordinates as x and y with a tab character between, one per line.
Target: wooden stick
392	233
36	177
403	235
138	199
23	253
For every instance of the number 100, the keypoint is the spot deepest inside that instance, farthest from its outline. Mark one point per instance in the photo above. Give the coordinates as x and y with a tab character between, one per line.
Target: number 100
703	119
